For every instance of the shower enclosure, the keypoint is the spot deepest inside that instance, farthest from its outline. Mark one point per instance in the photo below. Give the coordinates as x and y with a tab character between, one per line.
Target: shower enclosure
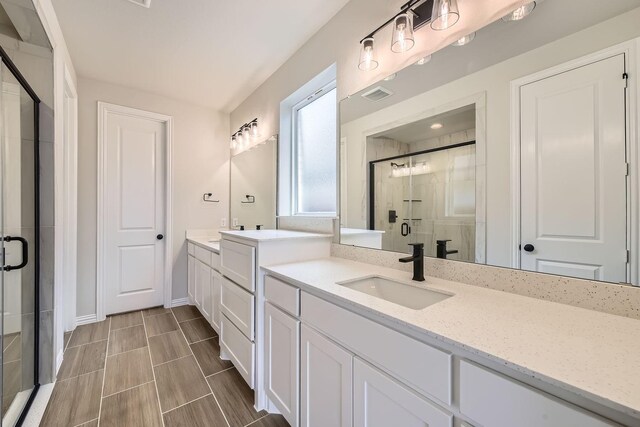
426	197
20	237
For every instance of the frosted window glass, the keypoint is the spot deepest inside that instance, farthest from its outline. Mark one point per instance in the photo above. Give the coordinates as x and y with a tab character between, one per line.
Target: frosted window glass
316	155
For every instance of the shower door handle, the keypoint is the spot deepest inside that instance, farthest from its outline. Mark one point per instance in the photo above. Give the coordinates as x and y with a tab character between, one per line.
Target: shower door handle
25	253
405	230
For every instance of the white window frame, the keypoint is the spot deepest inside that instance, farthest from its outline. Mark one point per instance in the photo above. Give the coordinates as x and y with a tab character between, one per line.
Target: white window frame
314	96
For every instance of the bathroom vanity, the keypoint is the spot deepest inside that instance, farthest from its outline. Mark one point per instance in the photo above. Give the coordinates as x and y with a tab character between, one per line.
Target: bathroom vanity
204	278
348	343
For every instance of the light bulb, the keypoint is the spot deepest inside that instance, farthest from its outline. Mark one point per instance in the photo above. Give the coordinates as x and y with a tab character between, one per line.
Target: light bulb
520	13
464	40
445	14
368	60
246	134
402	39
254	129
234	142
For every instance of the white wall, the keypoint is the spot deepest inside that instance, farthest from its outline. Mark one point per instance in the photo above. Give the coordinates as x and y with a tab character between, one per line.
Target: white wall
495	82
200	165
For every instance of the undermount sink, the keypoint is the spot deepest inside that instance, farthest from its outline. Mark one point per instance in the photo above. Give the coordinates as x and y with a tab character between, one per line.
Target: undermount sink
404	294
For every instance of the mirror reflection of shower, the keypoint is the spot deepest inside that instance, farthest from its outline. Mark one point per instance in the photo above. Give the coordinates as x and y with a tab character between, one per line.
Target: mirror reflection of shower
422	185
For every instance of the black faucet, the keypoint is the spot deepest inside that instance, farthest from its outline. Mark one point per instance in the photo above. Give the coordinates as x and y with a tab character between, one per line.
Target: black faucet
441	249
418	261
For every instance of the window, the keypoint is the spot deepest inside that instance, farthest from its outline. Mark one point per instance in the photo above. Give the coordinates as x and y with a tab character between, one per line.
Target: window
314	151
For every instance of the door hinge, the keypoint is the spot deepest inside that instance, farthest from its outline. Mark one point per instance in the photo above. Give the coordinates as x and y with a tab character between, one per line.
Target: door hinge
627	168
625	77
628	256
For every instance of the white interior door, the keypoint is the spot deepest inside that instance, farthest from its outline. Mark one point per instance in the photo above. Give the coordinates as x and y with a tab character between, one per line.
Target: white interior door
573	173
134	211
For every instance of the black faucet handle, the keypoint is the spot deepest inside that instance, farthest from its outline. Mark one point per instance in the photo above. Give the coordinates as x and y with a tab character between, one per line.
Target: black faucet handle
443	242
417	245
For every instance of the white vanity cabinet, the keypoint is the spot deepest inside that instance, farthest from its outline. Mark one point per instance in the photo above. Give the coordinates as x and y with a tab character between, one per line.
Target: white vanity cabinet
326	385
282	360
203	282
355	371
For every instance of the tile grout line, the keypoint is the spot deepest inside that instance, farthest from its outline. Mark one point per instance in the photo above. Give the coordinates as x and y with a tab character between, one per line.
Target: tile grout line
87	422
169	361
219	372
104	373
185	404
127	389
204	377
9	345
68	342
87	343
255	421
153	370
125	327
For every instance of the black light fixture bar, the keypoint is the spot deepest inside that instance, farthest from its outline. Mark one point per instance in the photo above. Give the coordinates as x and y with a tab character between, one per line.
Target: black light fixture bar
407	7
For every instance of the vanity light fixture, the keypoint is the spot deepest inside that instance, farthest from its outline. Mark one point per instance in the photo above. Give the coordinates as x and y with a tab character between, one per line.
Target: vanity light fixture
423	60
520	13
245	134
402	39
464	40
445	14
413	15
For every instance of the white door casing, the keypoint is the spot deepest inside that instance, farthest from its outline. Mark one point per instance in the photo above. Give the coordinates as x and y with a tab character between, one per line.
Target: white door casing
573	172
134	181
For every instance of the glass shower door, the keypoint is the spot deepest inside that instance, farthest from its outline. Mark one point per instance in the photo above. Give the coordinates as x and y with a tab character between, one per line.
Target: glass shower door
19	234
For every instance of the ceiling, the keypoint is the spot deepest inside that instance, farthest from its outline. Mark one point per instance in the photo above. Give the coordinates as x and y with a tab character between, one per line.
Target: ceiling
208	52
452	121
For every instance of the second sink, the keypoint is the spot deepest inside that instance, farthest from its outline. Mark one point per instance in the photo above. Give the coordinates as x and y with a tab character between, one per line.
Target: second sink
404	294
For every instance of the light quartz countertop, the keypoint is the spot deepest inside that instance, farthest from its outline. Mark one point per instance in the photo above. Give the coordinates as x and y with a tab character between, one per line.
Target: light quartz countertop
208	243
263	235
588	353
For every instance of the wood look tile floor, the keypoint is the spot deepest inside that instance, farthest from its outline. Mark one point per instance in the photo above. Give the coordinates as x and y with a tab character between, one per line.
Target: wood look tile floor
155	367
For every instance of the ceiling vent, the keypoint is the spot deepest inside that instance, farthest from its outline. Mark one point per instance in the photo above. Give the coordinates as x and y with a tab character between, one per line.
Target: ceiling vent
377	94
143	3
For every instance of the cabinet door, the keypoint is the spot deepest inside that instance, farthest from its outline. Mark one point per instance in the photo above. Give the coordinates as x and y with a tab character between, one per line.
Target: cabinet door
216	284
191	278
381	401
200	271
207	284
282	336
326	382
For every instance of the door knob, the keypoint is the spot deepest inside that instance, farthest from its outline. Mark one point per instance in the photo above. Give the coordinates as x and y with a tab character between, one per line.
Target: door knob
159	237
529	247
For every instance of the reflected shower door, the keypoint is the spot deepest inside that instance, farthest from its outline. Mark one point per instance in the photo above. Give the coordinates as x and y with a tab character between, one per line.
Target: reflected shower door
19	235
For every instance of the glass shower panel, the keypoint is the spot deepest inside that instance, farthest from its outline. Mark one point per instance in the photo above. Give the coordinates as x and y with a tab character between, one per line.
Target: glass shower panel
392	203
19	237
444	183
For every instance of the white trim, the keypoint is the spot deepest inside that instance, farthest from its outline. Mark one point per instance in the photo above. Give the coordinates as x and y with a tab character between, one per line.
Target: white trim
103	111
632	63
59	359
70	201
85	320
180	301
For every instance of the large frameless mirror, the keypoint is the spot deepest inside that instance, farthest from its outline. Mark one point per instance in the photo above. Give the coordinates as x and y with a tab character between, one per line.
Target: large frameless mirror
510	148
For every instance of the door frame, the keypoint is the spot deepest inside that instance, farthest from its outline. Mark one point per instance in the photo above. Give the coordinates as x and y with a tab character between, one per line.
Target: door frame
104	109
632	65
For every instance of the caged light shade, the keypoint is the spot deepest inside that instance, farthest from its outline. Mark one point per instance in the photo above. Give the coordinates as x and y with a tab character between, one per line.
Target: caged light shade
368	60
402	39
445	14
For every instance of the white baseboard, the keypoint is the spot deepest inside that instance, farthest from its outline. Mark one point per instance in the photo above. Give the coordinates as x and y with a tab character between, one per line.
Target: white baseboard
83	320
180	301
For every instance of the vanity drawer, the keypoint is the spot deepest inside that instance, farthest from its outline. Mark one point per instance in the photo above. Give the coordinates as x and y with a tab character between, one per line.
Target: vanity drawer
215	261
238	348
191	248
238	305
483	391
203	255
238	263
285	296
418	365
